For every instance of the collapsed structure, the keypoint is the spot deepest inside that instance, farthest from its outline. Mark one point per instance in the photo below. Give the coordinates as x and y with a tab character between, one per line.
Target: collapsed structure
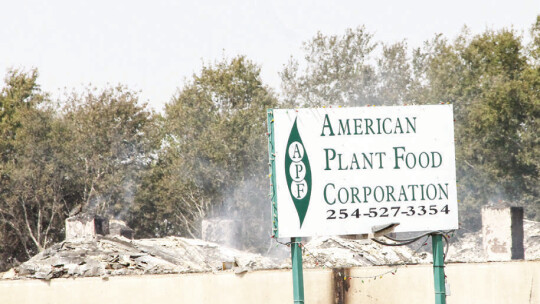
97	247
116	255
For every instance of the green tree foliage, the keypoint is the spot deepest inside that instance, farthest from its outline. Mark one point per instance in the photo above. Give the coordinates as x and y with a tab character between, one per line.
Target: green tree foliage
335	70
343	70
89	154
20	93
494	88
214	159
110	143
32	189
394	75
534	47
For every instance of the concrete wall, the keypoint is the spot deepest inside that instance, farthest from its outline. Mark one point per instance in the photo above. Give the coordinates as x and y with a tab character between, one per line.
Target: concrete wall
501	282
502	233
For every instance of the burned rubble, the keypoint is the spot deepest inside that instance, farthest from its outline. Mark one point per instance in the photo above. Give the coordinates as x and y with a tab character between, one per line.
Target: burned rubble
337	252
96	247
116	255
469	248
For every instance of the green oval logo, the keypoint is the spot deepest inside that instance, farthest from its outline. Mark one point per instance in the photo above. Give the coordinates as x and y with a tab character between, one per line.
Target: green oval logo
298	173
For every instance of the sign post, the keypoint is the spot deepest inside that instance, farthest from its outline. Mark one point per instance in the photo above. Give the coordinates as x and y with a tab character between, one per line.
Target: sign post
297	270
438	268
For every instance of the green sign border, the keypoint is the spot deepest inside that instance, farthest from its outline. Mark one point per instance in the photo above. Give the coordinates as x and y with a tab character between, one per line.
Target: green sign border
272	171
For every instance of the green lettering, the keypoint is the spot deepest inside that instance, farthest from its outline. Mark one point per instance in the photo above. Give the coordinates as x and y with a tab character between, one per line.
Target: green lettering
384	126
402	193
375	193
354	161
354	194
344	129
441	190
396	156
328	159
431	186
326	124
398	125
326	197
366	193
390	193
412	125
339	160
369	123
437	161
369	161
380	154
358	126
413	191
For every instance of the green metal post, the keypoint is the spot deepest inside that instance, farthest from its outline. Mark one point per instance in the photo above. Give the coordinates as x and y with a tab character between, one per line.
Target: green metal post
297	271
272	172
438	269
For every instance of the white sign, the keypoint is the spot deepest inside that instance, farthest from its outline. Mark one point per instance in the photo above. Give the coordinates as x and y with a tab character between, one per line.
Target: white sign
341	171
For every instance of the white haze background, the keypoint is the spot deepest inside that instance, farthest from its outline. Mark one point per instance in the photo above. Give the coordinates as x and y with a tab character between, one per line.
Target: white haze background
152	46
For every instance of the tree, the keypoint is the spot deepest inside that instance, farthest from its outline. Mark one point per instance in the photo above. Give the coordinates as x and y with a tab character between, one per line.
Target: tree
111	142
495	95
90	154
344	71
20	93
215	155
394	75
336	71
32	189
534	46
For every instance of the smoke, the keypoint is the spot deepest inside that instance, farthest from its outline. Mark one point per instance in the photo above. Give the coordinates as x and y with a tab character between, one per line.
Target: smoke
128	198
246	205
243	220
113	195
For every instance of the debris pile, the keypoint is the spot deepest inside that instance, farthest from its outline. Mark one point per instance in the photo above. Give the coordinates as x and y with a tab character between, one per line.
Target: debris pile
113	255
468	248
116	255
334	252
532	240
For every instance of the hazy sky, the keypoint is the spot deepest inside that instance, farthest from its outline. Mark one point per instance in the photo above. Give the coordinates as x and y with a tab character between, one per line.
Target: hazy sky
153	46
